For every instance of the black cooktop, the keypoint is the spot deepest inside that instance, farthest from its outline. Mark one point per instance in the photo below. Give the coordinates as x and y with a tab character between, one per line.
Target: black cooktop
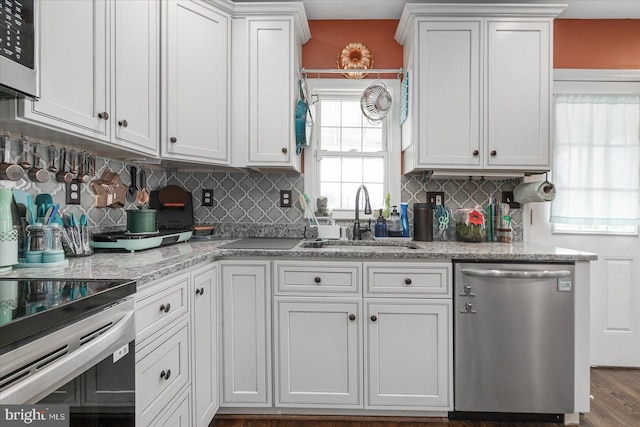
29	308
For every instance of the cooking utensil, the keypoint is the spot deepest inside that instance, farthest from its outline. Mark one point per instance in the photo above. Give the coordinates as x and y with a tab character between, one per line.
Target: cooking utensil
9	170
141	221
62	175
52	159
133	188
376	102
83	176
73	162
172	196
25	154
36	173
142	197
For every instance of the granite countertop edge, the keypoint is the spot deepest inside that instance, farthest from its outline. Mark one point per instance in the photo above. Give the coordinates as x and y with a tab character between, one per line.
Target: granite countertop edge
153	264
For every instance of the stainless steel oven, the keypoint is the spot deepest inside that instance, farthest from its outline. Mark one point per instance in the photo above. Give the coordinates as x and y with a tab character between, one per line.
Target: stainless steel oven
18	47
69	343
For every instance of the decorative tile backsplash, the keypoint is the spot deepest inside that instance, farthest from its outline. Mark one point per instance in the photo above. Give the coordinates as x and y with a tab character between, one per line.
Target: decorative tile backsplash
248	197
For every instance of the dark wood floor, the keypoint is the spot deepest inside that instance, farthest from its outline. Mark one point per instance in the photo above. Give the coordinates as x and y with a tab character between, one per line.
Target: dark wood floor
616	403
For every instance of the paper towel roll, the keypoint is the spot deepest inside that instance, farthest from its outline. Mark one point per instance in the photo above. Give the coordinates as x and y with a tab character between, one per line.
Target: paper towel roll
540	191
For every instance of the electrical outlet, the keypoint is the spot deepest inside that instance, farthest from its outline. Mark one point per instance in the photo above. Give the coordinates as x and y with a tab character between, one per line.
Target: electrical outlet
435	198
207	197
285	198
507	197
73	190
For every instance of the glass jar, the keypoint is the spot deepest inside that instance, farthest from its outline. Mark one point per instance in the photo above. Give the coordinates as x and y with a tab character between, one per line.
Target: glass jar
53	250
470	225
35	243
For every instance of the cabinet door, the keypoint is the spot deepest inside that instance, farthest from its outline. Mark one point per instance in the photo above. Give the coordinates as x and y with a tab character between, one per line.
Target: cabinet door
318	352
271	63
73	67
135	70
246	333
409	354
178	416
448	90
518	94
205	349
196	61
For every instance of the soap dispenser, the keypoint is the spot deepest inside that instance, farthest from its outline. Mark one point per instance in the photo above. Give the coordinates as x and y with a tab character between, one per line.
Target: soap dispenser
381	226
394	226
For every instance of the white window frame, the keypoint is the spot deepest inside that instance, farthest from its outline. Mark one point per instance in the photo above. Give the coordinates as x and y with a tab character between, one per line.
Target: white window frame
392	171
597	82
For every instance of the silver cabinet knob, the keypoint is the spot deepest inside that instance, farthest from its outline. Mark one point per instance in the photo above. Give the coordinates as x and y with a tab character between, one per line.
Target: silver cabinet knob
123	123
285	150
104	115
173	139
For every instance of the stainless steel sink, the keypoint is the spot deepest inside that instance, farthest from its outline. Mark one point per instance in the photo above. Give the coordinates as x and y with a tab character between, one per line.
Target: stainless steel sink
280	243
368	244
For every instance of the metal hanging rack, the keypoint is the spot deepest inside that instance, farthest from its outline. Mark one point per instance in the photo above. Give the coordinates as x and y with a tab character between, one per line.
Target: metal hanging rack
399	72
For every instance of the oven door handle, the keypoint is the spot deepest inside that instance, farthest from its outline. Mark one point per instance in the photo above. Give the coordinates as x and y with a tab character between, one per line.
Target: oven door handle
42	382
516	274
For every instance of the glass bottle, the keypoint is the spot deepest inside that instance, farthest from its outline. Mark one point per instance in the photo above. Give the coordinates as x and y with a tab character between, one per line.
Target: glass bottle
381	226
53	250
404	219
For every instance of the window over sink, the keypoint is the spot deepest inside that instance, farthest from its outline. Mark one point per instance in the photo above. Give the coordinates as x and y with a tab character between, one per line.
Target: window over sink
347	150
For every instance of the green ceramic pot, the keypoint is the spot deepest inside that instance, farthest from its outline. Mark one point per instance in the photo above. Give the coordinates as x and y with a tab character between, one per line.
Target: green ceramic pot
141	221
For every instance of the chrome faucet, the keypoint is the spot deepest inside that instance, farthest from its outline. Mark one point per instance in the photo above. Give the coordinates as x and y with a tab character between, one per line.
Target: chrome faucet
357	228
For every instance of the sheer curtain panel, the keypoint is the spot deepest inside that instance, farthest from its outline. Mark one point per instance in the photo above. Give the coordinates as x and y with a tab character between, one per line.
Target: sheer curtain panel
597	160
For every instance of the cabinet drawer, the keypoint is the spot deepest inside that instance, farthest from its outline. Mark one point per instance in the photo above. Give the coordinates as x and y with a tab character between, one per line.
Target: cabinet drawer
319	277
155	310
162	370
408	278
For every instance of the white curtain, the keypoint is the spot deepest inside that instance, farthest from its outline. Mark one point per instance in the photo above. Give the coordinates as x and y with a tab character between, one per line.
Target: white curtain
597	160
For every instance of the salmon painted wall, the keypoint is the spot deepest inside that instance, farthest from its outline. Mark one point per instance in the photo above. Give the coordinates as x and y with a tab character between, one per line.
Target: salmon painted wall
329	37
597	43
578	43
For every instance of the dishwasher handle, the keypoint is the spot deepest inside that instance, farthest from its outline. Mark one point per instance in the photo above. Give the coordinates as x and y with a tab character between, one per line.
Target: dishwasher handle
516	274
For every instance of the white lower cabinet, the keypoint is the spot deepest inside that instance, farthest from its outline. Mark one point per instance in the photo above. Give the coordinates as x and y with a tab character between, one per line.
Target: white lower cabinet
246	333
397	356
408	354
319	352
204	333
178	414
176	355
162	371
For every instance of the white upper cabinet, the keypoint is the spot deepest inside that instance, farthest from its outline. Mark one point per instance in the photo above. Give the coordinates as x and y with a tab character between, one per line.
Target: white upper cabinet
98	76
518	94
195	85
268	40
135	69
479	86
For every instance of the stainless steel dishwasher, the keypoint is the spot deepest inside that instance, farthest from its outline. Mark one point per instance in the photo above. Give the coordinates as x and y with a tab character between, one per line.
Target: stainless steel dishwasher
514	338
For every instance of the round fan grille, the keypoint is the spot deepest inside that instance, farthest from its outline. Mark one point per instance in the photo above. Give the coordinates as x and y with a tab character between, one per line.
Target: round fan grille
376	102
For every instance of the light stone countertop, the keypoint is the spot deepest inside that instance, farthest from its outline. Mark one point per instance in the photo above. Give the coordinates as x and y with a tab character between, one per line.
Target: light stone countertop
149	265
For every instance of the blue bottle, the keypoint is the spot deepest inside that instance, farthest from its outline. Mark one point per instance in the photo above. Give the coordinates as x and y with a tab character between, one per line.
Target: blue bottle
381	226
404	219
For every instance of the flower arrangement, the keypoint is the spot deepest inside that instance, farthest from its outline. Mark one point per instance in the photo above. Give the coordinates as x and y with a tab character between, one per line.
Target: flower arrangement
470	225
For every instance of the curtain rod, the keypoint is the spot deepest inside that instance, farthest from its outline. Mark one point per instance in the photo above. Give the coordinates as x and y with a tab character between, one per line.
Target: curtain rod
397	71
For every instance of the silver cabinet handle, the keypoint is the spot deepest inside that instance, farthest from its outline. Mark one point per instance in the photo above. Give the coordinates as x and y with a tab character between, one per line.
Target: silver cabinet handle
516	274
466	292
468	308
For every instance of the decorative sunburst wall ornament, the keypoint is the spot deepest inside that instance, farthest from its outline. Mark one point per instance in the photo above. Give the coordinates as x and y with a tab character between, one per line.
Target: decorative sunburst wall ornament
355	56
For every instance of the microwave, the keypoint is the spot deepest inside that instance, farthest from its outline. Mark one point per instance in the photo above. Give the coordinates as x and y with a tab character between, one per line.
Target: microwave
18	44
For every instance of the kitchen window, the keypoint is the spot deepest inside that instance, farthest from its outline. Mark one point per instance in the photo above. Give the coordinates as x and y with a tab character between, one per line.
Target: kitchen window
597	163
347	150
